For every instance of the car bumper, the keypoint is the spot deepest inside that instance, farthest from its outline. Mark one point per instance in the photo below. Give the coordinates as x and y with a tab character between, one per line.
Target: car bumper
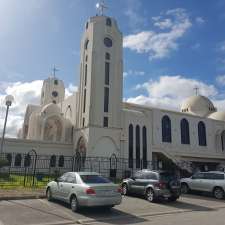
99	201
167	193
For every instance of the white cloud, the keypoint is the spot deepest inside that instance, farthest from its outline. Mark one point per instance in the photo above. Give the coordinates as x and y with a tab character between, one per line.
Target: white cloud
220	80
199	20
133	73
24	94
169	91
159	44
222	46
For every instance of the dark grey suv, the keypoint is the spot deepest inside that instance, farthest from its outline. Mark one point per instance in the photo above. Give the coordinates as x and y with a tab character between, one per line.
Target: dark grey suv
153	185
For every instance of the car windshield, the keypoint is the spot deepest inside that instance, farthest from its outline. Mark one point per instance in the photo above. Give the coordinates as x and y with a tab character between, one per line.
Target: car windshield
166	176
94	179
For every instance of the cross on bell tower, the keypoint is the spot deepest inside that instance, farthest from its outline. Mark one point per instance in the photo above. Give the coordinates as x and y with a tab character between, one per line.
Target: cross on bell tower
101	7
54	70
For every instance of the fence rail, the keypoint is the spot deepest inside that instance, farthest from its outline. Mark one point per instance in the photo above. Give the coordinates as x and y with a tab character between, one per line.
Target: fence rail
32	170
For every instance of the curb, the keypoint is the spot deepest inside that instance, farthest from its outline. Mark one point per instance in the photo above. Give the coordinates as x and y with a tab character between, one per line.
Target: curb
7	198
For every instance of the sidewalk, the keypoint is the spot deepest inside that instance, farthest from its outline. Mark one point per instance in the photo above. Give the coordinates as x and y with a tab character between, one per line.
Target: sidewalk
21	193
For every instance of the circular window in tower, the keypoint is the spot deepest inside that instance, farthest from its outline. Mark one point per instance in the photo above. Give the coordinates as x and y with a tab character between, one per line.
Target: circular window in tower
54	93
108	42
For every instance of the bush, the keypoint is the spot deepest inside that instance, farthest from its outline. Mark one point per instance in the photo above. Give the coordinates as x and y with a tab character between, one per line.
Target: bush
3	162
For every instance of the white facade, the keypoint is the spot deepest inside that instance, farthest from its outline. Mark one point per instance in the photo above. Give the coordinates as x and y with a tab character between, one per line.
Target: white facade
95	122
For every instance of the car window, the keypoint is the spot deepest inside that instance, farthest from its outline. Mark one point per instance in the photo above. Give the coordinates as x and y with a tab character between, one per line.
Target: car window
208	176
218	176
63	177
138	175
94	179
71	178
198	176
167	176
151	176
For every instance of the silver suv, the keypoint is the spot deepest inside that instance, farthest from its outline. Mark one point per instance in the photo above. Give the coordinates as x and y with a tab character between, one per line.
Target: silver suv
153	185
212	182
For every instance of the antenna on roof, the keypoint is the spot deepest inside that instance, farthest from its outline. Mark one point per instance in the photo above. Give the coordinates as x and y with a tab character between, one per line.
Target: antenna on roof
54	70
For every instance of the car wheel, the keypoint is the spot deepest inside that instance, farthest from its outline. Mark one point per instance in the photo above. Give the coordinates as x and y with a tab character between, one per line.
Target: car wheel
124	189
218	193
184	188
149	195
49	194
74	203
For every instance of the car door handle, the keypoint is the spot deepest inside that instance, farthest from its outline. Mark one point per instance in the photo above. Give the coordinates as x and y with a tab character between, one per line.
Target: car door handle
61	185
72	186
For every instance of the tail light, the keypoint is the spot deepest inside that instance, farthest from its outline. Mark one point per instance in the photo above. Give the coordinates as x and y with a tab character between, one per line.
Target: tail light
90	191
119	190
160	185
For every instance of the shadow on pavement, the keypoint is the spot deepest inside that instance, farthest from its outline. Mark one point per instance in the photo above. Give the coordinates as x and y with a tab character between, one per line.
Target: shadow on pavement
99	214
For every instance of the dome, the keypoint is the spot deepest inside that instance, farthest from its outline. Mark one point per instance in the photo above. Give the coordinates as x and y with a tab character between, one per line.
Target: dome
51	108
218	116
198	105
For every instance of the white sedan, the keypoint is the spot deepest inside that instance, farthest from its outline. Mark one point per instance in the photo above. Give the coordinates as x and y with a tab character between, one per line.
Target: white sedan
84	189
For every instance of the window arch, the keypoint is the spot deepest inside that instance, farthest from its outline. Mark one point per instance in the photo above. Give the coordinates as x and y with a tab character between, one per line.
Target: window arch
86	44
18	160
53	161
131	145
184	131
201	134
61	161
144	147
108	22
27	160
166	129
107	56
223	140
9	158
137	146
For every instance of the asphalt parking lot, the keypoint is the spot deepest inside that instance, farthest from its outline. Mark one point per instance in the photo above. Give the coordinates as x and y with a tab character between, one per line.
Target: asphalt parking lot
133	210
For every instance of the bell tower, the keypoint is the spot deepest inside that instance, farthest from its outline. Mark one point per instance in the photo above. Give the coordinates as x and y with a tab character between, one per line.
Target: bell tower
101	80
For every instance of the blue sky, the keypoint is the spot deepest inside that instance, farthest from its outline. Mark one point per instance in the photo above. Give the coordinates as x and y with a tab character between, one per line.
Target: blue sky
170	47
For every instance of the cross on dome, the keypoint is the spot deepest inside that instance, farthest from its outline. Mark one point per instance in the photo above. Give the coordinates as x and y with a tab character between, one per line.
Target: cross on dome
101	7
196	90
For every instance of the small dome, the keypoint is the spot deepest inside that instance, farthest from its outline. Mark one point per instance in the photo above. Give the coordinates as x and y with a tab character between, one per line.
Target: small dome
198	105
51	108
218	116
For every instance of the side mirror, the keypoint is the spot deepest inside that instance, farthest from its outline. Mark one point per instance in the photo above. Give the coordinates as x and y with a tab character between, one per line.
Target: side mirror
56	180
133	178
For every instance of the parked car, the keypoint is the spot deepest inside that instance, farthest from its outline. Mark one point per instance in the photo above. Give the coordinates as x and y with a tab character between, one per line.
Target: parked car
84	189
153	185
212	182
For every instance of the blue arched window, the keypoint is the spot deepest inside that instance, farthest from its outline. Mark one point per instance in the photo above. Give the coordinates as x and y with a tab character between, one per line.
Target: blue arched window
166	129
138	158
201	134
184	132
144	147
131	145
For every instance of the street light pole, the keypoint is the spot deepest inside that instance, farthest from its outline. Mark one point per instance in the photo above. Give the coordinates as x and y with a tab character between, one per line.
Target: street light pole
8	101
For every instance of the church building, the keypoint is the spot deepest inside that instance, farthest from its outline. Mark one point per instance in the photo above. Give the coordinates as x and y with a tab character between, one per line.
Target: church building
95	122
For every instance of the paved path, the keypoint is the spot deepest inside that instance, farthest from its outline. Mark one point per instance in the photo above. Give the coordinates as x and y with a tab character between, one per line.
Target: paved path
133	210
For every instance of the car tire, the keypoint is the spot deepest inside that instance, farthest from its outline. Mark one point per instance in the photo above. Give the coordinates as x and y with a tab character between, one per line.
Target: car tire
184	188
74	203
49	194
149	195
125	189
218	193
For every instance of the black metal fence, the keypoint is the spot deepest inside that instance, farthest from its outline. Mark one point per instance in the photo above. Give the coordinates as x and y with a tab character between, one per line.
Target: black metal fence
32	170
